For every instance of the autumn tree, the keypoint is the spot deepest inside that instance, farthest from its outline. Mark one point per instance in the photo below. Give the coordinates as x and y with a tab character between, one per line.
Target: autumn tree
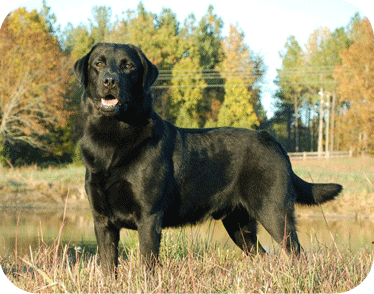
356	88
207	36
201	43
237	110
187	90
34	78
161	43
237	68
78	41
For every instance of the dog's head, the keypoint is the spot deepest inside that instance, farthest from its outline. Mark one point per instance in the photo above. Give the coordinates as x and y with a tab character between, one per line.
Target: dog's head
117	79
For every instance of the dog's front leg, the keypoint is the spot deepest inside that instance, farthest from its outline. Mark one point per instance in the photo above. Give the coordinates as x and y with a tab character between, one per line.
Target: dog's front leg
107	236
149	228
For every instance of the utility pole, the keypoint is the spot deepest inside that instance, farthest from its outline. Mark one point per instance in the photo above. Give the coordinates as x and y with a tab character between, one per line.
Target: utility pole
320	131
296	122
333	120
327	125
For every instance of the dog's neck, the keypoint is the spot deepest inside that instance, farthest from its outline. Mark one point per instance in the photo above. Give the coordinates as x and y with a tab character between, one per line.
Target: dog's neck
112	138
110	129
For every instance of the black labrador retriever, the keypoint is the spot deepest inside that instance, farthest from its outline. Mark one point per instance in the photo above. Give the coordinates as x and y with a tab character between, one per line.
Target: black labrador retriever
145	174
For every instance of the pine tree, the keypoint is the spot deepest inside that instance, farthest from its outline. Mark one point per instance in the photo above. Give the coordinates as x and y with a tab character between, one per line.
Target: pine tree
290	78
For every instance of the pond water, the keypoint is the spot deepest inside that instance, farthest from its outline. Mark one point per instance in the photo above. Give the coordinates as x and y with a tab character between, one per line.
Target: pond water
30	227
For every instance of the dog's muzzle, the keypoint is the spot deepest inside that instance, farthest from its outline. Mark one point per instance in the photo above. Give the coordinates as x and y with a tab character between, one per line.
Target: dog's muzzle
110	104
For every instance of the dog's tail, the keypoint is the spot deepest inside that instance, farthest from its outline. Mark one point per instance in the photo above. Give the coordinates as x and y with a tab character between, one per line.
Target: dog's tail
312	194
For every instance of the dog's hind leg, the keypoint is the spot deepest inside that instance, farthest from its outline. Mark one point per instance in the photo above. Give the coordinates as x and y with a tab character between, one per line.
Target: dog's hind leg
242	228
279	221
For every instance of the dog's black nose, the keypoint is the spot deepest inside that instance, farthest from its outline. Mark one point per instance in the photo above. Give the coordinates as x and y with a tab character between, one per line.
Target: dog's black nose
110	81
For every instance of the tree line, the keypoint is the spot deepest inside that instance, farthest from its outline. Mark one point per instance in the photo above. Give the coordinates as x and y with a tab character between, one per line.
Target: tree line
325	100
206	80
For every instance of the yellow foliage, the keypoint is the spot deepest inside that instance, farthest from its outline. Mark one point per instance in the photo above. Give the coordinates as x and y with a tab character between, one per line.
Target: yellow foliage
237	110
188	86
356	86
34	77
237	68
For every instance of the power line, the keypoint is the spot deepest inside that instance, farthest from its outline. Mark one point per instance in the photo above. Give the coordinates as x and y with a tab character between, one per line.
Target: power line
166	75
306	76
205	77
310	83
314	68
202	86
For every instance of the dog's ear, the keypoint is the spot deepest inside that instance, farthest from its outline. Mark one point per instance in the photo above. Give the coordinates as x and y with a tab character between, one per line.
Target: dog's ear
81	68
150	71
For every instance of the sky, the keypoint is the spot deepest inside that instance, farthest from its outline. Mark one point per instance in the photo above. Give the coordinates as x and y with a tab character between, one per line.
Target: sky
266	24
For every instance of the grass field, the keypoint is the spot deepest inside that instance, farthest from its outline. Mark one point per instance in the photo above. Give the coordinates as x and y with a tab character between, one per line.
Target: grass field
355	174
190	264
33	187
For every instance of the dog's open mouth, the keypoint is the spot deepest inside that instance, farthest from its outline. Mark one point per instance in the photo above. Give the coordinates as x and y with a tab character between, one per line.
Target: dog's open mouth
108	102
109	105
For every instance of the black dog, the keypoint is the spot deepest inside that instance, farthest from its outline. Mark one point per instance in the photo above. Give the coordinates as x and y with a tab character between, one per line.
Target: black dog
145	174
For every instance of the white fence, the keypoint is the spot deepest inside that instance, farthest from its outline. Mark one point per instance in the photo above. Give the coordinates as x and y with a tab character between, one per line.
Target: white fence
317	155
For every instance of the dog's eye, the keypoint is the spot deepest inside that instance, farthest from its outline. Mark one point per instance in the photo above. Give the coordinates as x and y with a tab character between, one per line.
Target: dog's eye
127	66
99	64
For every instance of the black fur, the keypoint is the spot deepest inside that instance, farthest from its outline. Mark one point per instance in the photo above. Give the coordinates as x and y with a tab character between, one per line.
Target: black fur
143	173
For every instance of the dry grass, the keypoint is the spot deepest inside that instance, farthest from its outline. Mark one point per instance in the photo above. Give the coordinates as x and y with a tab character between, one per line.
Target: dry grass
33	187
187	266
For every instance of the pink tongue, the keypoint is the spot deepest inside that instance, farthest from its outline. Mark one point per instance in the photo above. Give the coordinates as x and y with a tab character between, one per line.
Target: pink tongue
109	102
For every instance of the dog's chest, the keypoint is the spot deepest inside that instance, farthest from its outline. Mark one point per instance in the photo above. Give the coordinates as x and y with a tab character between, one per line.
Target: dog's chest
123	209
